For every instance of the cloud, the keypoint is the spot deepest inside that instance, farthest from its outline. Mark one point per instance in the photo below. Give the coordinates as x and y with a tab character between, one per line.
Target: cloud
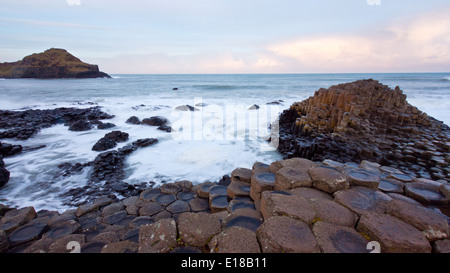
417	44
420	44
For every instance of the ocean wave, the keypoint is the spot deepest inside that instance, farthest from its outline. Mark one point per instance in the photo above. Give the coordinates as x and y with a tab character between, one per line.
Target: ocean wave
447	78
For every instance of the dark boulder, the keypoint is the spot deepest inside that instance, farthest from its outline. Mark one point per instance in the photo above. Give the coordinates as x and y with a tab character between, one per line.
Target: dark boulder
9	149
4	176
81	125
134	120
155	121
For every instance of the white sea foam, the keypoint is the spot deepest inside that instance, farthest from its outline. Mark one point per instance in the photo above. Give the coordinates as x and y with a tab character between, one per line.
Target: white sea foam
230	135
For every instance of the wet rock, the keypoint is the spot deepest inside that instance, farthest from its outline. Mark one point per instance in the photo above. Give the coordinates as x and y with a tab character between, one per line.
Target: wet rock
339	239
140	221
178	207
150	209
425	193
246	218
4	243
63	229
112	208
234	240
254	107
295	206
199	204
185	196
441	246
362	203
81	125
311	195
203	189
165	128
159	237
390	185
149	194
104	126
92	247
16	218
133	120
289	178
297	163
26	233
155	121
186	108
328	179
197	229
362	178
282	234
218	203
9	149
241	175
165	199
104	144
261	182
170	188
332	212
394	235
60	245
86	208
115	218
4	176
431	224
237	188
121	247
401	177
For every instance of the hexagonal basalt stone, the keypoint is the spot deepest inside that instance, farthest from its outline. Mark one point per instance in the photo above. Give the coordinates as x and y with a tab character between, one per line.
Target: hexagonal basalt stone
282	234
339	239
150	209
199	204
295	206
26	233
241	175
425	193
218	203
261	182
328	179
430	223
197	229
237	188
235	240
203	189
178	207
361	203
394	235
16	218
289	178
185	196
149	195
165	199
392	186
63	229
359	177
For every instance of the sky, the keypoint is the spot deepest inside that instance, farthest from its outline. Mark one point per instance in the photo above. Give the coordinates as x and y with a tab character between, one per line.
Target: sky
231	36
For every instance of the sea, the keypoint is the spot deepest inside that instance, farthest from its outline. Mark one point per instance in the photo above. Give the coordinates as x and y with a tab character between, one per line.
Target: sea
233	124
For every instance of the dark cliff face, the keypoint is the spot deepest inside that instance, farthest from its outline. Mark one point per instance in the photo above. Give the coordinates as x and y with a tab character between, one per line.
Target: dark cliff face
51	64
366	120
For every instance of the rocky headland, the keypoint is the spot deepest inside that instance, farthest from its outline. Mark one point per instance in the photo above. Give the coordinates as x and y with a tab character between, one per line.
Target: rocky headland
53	63
366	120
363	168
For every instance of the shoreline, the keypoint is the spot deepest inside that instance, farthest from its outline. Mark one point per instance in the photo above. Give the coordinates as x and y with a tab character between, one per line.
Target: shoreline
250	213
363	166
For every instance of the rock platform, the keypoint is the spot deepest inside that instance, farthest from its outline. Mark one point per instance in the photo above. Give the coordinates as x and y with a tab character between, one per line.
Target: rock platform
294	205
